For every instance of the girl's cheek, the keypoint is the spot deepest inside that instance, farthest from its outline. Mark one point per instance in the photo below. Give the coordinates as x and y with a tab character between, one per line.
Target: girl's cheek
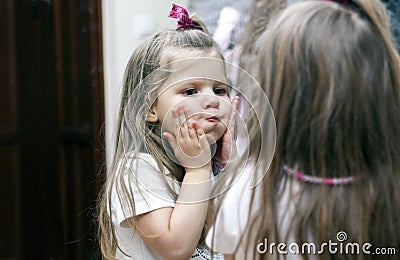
192	106
227	106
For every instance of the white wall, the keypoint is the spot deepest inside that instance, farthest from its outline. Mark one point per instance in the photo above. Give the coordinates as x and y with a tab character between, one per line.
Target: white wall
124	24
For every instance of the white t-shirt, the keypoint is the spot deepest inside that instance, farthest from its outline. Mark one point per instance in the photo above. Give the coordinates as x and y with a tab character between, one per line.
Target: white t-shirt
151	195
233	217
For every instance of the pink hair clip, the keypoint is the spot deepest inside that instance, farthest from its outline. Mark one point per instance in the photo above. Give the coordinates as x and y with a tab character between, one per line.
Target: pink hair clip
182	16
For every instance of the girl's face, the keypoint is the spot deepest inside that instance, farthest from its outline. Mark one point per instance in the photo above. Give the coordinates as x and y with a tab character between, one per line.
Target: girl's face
200	85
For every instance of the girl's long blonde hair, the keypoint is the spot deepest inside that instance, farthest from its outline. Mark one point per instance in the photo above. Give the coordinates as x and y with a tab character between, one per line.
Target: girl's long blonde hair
146	70
332	76
333	79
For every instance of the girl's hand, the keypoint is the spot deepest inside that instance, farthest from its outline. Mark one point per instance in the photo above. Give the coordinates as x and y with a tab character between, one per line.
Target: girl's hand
189	144
227	147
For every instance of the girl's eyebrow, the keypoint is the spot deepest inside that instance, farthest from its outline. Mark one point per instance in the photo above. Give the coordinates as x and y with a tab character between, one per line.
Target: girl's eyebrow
201	81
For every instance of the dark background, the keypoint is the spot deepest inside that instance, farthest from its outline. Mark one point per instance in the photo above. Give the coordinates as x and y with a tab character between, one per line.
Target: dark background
51	128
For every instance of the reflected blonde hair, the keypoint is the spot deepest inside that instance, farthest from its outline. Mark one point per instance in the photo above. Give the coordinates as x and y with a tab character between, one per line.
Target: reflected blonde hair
332	75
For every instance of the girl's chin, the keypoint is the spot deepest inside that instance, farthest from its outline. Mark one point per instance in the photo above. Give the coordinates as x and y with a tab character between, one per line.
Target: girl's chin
213	137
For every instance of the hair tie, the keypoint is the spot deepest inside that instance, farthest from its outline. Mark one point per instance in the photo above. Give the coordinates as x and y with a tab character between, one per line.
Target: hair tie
319	180
182	17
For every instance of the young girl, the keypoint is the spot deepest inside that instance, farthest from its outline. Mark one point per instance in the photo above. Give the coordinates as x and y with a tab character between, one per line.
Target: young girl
332	191
174	105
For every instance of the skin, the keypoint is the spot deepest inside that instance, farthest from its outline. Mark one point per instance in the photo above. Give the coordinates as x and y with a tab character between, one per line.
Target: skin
199	86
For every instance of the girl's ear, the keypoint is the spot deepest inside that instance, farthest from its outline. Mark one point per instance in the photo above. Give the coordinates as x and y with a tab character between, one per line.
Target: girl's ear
152	116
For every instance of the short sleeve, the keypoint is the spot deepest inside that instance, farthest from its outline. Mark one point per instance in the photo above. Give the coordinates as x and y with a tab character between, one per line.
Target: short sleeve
148	187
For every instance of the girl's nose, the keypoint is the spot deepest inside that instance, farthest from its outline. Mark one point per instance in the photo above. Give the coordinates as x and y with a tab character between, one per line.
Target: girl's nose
210	101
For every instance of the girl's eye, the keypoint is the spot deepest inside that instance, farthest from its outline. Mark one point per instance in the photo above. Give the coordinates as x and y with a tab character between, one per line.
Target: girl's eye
220	91
189	92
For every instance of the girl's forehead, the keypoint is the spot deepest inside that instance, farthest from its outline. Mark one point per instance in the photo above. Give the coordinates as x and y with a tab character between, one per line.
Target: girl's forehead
200	67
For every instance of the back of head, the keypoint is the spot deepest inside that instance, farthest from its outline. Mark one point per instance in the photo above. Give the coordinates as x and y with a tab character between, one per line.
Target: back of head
332	76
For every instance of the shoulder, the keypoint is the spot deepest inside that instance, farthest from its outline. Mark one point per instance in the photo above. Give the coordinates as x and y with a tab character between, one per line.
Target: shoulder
142	170
140	187
139	164
137	159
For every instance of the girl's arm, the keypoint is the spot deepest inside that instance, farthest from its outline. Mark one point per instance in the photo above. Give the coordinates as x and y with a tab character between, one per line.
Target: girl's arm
173	233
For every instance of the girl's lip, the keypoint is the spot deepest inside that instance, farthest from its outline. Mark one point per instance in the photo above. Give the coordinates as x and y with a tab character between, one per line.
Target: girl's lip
213	119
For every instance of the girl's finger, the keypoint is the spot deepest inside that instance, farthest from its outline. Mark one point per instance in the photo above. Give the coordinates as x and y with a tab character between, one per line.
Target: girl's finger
171	139
235	103
189	119
200	133
183	123
175	119
232	117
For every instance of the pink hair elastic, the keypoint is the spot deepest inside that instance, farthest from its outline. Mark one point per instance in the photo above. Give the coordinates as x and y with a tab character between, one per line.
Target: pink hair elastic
182	17
319	180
